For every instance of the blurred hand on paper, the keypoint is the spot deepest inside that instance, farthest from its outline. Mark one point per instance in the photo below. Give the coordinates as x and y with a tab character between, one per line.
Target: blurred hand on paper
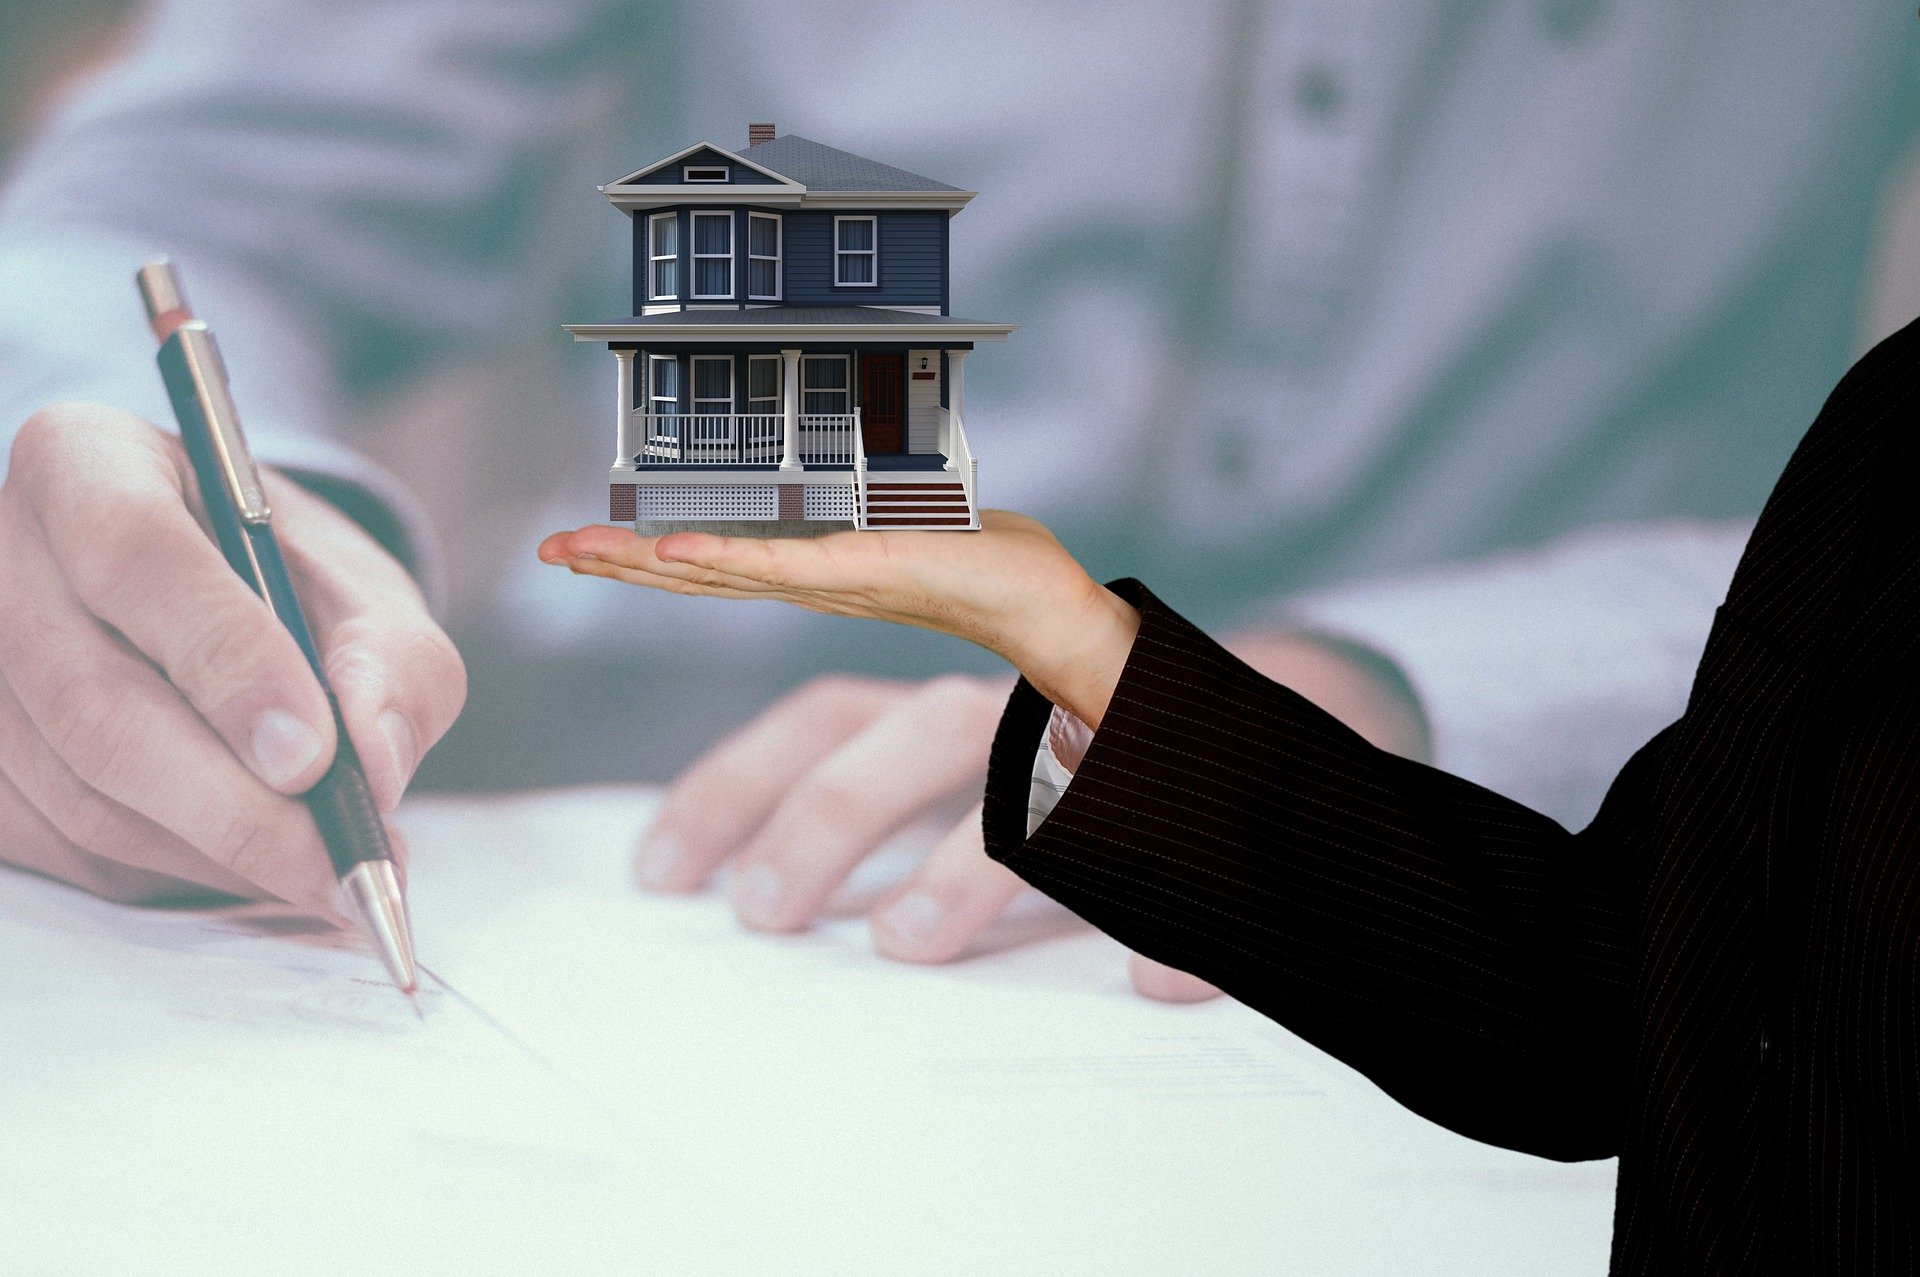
155	720
796	799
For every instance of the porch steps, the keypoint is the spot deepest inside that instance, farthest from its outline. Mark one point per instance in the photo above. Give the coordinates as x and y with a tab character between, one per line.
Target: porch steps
916	504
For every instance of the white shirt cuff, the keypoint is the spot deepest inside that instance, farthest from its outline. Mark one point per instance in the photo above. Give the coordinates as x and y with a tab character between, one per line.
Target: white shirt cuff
1061	751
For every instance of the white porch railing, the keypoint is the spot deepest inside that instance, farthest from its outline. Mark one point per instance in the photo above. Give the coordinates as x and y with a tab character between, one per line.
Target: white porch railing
859	475
960	459
719	439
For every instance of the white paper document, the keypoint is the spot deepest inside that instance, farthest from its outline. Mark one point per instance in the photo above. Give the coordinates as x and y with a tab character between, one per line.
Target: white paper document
621	1083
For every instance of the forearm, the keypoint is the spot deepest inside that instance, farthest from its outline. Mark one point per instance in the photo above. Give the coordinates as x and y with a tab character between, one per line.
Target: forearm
1412	923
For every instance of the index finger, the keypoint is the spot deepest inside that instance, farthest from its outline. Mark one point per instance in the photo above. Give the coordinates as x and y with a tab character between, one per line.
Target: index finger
153	574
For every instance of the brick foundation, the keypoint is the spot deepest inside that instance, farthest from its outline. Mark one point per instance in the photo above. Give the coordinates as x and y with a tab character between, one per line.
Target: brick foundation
620	503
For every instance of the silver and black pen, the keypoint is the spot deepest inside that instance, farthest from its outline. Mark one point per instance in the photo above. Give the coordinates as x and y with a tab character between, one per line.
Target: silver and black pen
236	505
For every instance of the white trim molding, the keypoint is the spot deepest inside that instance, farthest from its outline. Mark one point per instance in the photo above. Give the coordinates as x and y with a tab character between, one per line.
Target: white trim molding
954	200
735	333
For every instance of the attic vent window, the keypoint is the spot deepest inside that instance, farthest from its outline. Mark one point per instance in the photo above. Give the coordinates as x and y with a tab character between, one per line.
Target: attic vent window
704	173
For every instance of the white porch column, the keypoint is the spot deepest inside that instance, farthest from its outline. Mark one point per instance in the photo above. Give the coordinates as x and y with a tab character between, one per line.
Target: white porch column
956	396
790	385
623	449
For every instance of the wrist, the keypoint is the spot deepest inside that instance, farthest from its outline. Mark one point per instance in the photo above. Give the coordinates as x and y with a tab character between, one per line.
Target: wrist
1075	653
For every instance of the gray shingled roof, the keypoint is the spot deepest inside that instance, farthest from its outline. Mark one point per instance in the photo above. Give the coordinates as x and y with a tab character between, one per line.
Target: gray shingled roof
819	167
796	315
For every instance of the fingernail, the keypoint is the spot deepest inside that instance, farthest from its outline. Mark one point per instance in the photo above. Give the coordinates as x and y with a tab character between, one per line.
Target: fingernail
403	751
659	858
756	895
283	746
914	918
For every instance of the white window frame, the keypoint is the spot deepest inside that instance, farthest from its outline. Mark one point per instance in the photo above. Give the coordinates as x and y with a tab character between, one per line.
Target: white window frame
655	257
806	387
693	229
687	172
779	252
754	407
693	371
654	397
840	253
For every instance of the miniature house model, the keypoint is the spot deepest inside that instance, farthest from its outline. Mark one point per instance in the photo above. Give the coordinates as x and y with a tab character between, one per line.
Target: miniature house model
791	365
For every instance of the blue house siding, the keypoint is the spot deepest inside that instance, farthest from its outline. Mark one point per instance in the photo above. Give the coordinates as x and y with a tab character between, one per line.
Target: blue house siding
912	261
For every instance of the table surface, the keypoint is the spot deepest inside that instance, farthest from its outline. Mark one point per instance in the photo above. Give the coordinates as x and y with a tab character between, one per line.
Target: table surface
608	1081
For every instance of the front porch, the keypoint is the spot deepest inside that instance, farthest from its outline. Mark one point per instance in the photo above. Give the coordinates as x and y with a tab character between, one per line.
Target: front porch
797	408
774	420
895	454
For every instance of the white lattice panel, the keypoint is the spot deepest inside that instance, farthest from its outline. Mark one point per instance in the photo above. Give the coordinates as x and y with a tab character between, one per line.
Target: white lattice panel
829	503
707	501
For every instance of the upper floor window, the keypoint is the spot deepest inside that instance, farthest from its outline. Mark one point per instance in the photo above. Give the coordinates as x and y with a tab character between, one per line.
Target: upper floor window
704	173
713	254
763	256
663	254
856	251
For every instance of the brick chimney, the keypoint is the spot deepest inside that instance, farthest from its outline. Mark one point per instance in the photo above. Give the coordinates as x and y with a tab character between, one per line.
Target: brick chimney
758	133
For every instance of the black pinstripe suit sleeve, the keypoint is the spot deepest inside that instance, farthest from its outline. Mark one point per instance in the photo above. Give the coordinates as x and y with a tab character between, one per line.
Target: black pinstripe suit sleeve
1469	955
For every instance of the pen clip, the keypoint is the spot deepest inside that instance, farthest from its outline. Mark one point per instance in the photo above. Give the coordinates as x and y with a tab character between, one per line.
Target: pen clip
209	375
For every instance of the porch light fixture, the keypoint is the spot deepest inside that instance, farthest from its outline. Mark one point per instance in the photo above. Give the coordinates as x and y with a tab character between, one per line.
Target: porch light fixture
923	363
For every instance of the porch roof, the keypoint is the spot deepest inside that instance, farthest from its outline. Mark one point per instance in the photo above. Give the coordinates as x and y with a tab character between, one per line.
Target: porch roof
785	323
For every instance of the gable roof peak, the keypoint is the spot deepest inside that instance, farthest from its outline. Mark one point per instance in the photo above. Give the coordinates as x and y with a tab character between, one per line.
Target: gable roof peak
695	149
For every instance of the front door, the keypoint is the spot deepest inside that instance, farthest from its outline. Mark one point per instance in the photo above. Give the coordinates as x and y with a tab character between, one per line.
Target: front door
883	403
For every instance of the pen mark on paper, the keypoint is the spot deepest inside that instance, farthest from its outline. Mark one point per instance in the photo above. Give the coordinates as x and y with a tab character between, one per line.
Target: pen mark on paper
573	1083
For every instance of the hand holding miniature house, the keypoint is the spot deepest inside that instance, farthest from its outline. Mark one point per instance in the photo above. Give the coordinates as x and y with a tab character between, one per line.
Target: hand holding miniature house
790	367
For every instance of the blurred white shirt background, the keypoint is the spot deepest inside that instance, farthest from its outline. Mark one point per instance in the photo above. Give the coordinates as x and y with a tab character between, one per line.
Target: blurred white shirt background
1471	332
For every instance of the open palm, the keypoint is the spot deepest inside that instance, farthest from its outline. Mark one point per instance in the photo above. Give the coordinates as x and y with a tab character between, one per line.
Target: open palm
1011	587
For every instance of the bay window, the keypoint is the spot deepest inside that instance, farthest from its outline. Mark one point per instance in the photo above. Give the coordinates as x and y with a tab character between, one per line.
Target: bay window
663	255
713	255
763	257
